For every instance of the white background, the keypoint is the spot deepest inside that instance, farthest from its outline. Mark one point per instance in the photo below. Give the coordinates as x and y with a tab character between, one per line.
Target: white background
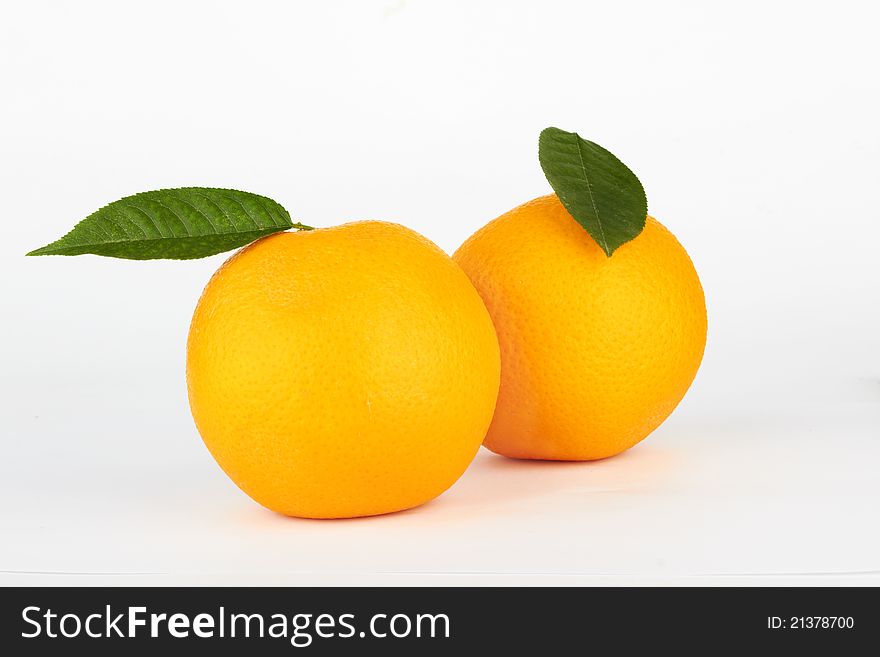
753	129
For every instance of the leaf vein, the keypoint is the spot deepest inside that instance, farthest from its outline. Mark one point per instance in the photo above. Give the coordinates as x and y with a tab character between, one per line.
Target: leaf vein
178	217
590	191
199	212
241	205
218	206
142	231
271	214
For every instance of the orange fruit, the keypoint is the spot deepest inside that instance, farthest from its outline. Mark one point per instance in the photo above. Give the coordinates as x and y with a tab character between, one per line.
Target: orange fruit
342	372
595	351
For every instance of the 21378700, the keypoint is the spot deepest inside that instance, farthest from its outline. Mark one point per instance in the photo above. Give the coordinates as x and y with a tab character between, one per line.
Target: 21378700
810	623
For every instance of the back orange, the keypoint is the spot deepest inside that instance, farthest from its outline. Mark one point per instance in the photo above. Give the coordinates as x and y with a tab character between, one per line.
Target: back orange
595	352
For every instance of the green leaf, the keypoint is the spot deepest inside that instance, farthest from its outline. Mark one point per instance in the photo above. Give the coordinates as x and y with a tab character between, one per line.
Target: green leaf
179	224
597	189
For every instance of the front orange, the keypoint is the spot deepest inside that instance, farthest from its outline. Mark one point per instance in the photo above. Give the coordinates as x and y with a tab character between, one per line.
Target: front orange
342	372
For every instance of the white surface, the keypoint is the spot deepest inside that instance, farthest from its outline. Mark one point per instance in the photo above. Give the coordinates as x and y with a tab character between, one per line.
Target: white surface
753	129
